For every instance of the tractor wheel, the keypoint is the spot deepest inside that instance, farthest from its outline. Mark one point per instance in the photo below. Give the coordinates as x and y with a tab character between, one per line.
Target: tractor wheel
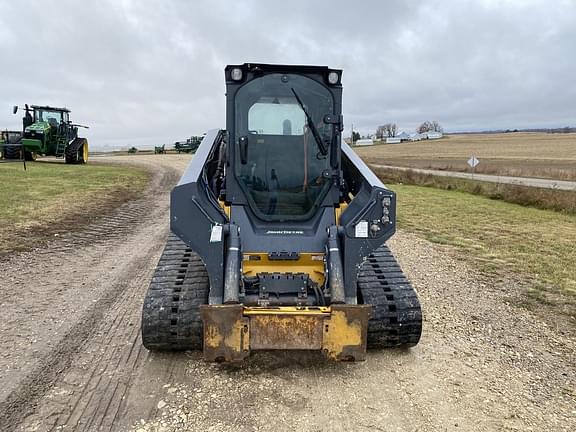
77	152
30	156
83	152
71	154
11	153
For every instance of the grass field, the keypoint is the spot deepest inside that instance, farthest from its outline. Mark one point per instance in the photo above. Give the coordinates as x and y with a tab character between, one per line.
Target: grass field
516	154
47	195
497	236
495	227
547	199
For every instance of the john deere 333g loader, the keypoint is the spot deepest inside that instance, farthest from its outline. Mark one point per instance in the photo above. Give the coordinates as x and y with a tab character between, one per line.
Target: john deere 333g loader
277	232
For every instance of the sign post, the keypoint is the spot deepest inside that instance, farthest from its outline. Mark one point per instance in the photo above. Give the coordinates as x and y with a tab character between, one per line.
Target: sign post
473	163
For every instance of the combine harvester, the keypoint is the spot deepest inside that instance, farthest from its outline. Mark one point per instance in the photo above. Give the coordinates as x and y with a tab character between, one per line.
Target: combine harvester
278	232
47	131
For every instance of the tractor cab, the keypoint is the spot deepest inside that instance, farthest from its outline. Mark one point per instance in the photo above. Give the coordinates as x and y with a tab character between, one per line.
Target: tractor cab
53	116
44	118
46	130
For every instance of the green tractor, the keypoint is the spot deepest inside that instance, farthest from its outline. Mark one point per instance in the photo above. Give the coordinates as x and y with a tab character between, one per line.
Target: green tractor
48	131
160	149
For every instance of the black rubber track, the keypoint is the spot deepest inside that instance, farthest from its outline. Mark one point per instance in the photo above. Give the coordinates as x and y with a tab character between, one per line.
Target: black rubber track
170	315
73	152
397	317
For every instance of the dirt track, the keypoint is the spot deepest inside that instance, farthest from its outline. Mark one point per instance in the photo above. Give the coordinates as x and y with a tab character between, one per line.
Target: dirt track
71	357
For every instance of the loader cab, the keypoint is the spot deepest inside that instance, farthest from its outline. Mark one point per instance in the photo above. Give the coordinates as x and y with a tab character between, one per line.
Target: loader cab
284	125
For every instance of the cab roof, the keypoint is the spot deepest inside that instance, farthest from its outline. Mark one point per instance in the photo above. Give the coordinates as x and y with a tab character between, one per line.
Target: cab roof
264	67
256	69
49	108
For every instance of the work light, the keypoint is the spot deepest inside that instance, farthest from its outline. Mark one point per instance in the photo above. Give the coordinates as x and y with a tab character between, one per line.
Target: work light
333	77
236	74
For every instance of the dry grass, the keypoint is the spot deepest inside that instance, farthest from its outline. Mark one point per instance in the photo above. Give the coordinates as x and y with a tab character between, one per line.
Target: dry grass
36	202
547	199
517	154
498	237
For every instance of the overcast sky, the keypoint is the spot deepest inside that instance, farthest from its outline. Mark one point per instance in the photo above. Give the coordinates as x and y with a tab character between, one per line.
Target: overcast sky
147	72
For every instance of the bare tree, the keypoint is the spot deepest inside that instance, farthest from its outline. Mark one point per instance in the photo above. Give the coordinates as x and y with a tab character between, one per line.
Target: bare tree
436	127
391	129
424	127
429	126
386	130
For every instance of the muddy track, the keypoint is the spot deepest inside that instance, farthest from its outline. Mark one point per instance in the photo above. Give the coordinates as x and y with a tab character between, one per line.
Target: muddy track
71	356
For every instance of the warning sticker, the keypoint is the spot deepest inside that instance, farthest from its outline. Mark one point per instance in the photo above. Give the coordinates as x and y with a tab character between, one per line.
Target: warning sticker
216	234
361	230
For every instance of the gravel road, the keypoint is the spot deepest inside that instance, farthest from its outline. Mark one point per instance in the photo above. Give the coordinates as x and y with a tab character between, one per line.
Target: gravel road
518	181
71	358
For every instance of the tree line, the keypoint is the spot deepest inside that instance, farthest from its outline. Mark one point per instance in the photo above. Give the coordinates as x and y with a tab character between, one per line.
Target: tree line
389	130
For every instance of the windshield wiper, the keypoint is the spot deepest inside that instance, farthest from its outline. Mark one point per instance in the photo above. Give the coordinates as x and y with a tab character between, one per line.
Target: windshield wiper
321	144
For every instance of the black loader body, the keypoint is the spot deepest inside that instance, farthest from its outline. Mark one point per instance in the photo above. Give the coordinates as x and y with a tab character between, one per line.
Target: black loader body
284	227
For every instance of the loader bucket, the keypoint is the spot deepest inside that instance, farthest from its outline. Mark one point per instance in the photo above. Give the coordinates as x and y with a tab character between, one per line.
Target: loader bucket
231	332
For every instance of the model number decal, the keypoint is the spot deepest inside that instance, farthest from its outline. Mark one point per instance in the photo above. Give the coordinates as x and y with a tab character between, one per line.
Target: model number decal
284	232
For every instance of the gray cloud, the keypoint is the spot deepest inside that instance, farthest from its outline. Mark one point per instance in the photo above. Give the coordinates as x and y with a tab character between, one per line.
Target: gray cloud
147	72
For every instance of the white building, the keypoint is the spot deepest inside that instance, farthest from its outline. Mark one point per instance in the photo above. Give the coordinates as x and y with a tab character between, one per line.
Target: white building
417	137
393	140
404	136
434	135
364	142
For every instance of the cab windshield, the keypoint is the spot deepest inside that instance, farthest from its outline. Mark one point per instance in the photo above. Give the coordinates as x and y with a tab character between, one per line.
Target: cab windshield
52	117
279	163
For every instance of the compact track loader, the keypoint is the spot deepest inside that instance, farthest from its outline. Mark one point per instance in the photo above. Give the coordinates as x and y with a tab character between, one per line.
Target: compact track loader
277	232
